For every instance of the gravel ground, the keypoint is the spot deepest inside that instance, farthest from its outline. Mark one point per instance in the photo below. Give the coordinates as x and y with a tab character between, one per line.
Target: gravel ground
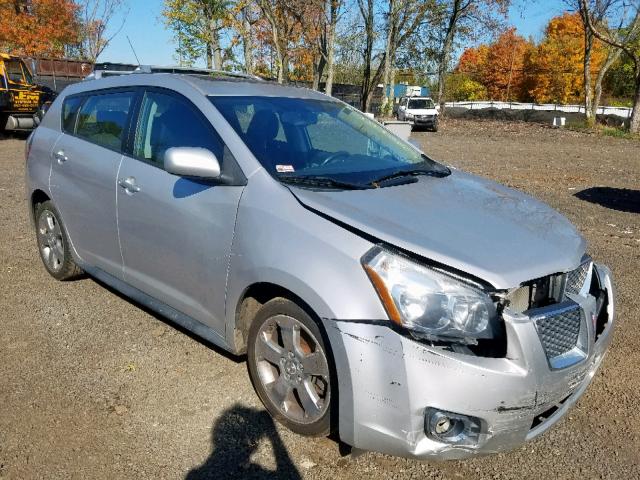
93	386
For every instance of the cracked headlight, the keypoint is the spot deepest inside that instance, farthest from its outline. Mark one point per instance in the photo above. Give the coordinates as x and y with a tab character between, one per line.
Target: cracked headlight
430	304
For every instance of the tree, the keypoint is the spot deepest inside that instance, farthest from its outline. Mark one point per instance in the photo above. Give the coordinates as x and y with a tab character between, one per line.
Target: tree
284	27
95	17
627	44
452	18
499	66
403	19
557	65
196	26
368	82
461	87
38	27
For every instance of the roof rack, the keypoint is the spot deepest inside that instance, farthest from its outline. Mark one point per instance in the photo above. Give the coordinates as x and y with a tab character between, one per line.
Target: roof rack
108	69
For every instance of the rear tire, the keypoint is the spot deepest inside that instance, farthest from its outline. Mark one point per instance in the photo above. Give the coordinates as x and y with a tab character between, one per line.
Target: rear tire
53	243
290	367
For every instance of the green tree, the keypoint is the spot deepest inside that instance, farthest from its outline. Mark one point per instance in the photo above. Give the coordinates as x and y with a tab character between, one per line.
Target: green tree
196	27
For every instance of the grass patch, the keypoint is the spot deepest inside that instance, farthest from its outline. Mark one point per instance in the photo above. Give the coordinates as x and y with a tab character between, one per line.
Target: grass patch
617	133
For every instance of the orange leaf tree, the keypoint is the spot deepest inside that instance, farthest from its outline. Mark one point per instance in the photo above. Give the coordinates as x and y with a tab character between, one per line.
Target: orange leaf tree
38	27
555	68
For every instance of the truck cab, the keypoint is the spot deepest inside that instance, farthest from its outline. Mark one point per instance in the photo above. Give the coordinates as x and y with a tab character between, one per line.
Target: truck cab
20	97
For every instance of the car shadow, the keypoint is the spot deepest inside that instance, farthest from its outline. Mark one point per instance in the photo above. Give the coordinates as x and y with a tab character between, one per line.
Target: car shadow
235	437
621	199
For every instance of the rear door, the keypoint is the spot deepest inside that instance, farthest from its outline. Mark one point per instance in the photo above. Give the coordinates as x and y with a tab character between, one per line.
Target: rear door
84	170
175	232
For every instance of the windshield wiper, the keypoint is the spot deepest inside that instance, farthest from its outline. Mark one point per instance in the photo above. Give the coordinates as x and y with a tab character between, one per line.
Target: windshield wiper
318	181
409	173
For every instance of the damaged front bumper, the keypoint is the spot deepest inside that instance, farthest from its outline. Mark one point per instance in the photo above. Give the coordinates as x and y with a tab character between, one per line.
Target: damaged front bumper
387	381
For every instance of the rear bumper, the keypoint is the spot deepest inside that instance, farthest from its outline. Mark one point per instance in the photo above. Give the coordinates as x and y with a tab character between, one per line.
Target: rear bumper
387	380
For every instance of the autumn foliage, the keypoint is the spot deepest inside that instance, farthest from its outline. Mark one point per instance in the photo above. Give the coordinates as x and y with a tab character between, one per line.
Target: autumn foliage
515	69
37	27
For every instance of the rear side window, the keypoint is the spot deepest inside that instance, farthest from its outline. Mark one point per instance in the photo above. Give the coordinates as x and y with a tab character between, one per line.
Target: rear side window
70	108
103	118
169	121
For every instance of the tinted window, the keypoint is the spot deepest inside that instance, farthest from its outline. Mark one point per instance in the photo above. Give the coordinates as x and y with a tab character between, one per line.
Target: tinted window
103	118
168	121
69	111
14	71
421	103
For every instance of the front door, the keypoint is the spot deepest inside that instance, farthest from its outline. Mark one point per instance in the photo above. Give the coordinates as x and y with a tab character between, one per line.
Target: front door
175	232
84	169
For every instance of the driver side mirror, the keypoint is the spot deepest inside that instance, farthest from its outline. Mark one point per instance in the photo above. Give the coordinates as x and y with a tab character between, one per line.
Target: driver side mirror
191	162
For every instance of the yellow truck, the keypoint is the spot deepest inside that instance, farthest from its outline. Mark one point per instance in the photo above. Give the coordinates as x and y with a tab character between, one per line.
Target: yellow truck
21	98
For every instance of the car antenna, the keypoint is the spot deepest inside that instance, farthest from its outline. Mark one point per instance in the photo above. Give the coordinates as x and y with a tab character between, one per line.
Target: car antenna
133	50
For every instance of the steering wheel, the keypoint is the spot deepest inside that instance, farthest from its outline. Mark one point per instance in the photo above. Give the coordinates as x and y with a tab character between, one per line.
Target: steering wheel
333	157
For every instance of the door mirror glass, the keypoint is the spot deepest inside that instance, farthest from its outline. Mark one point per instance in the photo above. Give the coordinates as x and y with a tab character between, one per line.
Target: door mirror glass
191	162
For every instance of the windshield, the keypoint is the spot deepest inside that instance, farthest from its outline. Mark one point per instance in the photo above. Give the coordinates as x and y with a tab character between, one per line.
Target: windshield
295	137
421	103
16	73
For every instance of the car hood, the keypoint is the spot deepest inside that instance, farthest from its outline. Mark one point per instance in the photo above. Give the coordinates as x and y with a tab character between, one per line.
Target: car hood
466	222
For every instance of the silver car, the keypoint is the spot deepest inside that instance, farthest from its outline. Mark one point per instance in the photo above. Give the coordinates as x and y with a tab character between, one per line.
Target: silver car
410	307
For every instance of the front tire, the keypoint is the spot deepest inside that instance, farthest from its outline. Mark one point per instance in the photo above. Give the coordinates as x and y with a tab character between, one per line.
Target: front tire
290	367
53	243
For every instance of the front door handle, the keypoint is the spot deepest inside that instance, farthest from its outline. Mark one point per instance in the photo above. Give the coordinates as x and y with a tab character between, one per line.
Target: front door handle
60	157
129	185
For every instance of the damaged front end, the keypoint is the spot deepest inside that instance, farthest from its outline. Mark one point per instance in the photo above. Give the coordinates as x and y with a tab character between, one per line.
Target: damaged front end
419	396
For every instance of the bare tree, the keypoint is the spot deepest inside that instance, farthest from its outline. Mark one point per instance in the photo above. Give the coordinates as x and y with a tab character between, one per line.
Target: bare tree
456	16
624	42
95	16
330	43
599	10
368	83
403	19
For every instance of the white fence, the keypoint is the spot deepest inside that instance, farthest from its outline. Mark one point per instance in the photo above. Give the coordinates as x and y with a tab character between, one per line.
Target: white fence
548	107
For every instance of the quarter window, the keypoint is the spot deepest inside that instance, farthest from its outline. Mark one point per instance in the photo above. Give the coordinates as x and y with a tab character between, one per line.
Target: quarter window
168	121
69	111
103	118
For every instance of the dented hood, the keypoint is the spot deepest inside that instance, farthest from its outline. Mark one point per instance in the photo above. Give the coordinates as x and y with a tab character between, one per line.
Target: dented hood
466	222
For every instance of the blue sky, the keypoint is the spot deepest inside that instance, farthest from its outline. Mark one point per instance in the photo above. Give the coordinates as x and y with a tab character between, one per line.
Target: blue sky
154	44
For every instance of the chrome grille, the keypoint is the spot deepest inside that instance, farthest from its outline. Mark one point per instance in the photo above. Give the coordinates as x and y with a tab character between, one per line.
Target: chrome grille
577	277
558	329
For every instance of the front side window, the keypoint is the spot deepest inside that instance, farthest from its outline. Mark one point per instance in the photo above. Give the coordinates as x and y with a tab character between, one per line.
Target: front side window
103	119
168	121
320	138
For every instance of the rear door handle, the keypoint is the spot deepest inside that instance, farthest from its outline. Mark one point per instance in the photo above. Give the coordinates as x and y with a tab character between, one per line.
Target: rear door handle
60	157
129	184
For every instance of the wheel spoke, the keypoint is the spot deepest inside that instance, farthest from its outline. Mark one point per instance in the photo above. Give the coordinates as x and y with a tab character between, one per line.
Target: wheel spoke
268	350
51	224
279	391
315	364
54	258
290	336
309	399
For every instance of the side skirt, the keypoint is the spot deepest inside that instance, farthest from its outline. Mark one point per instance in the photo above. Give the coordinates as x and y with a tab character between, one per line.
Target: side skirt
170	313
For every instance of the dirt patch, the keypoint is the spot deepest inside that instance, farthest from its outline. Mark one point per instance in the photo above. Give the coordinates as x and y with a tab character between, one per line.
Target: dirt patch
92	386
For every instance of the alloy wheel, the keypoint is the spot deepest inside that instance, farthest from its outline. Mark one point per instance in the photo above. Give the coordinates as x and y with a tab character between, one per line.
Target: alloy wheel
50	240
293	369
